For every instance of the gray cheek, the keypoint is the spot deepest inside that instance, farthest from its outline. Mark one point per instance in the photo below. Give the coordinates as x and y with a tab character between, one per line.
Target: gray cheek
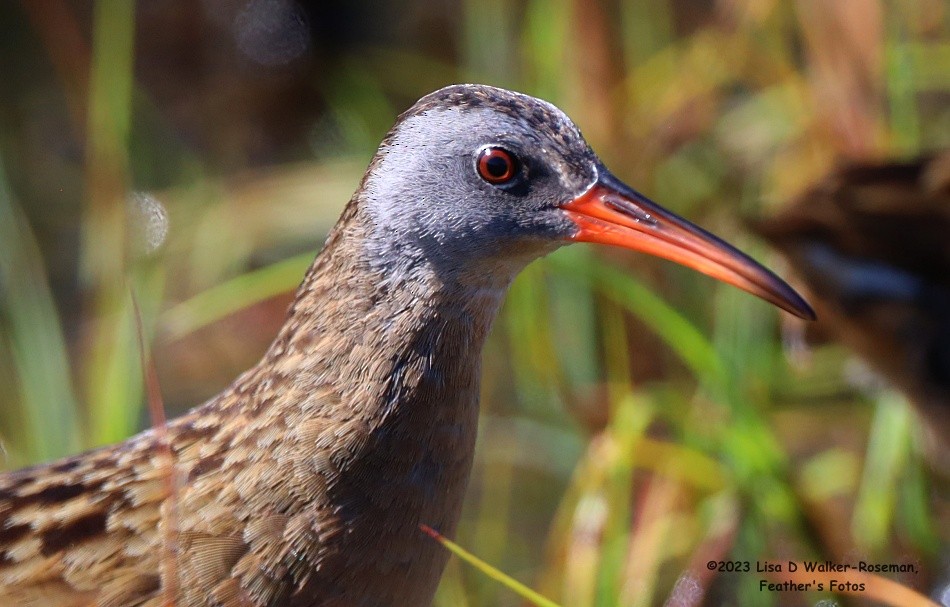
428	204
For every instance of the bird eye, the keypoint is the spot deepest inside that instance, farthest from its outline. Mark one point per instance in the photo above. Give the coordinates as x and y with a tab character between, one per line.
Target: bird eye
496	166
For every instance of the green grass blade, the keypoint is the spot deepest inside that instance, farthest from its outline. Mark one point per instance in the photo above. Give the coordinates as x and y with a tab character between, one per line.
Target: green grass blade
40	364
682	336
874	510
233	295
112	379
495	574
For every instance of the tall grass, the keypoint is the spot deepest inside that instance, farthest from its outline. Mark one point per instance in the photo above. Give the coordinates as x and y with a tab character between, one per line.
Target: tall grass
638	420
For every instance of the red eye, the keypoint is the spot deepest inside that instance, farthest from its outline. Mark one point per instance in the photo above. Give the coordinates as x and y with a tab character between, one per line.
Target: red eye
496	166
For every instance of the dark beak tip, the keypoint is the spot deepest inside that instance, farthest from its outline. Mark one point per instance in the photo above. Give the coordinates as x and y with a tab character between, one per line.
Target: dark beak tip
804	311
657	231
787	298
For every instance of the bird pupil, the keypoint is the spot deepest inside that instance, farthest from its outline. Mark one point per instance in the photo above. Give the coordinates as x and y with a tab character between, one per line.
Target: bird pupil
497	166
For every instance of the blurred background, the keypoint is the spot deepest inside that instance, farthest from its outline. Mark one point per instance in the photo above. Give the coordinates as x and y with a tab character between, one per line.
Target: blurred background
638	419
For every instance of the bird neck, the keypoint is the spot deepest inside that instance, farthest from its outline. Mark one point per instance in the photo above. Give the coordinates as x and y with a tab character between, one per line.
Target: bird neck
372	388
398	347
383	325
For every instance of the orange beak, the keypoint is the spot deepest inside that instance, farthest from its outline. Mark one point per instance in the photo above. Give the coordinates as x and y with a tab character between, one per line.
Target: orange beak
611	212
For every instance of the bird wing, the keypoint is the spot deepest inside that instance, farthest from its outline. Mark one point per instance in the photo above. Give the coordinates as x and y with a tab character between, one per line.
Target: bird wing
248	522
77	530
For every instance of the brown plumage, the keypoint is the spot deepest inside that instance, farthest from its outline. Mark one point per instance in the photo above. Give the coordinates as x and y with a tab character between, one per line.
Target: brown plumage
305	482
872	244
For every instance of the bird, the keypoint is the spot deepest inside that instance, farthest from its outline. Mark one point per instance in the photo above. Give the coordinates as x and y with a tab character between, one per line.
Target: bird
305	482
869	242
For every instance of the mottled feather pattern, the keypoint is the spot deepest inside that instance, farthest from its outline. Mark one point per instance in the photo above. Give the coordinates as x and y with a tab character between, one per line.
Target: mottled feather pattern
304	483
262	501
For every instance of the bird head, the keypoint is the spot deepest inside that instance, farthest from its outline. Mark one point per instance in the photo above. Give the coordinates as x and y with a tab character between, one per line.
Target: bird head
476	181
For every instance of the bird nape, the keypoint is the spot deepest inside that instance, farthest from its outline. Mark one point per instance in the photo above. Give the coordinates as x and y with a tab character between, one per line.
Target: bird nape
304	482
